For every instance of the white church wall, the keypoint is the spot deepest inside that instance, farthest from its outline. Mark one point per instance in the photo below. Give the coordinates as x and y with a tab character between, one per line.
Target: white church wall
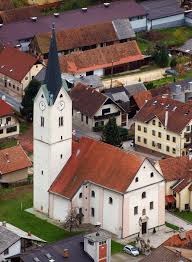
59	207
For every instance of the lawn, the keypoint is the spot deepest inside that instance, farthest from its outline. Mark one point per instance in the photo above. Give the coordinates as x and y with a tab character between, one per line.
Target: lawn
174	227
14	201
7	142
186	215
116	247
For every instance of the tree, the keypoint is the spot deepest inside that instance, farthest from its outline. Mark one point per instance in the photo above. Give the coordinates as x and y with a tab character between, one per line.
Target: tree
111	134
173	62
28	99
72	220
161	55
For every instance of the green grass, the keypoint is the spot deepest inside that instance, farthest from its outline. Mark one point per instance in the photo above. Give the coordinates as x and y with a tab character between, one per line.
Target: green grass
24	126
186	215
7	142
116	247
13	202
174	227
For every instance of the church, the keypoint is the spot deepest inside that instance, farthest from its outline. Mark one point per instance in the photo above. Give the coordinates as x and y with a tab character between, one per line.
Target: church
120	190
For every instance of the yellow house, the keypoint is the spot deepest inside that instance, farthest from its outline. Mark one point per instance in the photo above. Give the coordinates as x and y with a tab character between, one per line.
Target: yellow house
177	173
164	125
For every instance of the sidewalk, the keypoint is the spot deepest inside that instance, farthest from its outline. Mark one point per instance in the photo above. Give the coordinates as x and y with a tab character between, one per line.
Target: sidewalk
170	218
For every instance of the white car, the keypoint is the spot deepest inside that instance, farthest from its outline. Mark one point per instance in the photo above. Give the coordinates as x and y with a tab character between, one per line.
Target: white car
131	250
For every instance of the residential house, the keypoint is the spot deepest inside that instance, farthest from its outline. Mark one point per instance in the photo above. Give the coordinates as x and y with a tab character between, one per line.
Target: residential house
164	125
177	175
91	247
103	61
165	254
163	14
93	109
17	69
14	164
23	31
9	124
84	38
14	241
95	178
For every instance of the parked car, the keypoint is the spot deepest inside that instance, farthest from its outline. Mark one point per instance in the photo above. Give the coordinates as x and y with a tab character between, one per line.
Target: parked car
171	72
131	250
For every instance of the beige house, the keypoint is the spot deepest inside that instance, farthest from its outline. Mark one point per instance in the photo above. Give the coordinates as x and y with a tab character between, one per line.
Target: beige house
9	124
177	173
93	109
17	69
14	164
164	125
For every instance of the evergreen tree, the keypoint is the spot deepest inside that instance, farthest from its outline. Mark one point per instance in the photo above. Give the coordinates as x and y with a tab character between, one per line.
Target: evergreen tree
161	55
27	101
111	133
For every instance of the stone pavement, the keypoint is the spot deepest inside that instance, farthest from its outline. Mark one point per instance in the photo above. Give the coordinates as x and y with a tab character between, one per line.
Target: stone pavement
170	218
122	257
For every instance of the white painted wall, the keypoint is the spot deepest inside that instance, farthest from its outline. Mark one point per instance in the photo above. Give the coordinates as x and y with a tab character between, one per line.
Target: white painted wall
165	22
59	207
15	249
4	125
139	24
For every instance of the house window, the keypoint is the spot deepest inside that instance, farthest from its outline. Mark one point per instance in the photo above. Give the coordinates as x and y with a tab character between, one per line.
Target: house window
153	122
159	124
152	174
159	134
87	119
8	119
100	123
139	128
143	195
26	78
6	252
158	145
11	129
80	195
153	143
1	131
93	193
168	137
110	200
144	212
167	148
61	137
92	212
136	179
186	206
42	121
173	150
136	210
139	139
81	117
145	141
174	139
153	132
90	243
61	121
106	111
188	128
151	205
145	130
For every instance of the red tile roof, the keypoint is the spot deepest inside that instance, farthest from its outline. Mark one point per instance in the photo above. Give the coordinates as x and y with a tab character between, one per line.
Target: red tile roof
13	159
141	98
99	163
99	58
15	64
157	107
86	100
5	109
176	241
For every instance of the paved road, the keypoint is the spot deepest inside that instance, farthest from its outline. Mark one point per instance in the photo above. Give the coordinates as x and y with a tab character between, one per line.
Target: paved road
132	78
177	221
10	100
122	257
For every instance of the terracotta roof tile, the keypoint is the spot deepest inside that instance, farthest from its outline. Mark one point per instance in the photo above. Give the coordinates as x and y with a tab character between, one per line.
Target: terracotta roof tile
15	64
18	14
158	106
5	109
101	57
141	97
176	241
100	163
86	100
13	159
183	183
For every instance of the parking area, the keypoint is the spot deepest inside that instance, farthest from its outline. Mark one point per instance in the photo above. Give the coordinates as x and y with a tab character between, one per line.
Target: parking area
122	257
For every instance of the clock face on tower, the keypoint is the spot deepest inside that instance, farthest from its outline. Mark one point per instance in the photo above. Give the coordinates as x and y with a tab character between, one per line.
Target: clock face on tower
42	105
61	105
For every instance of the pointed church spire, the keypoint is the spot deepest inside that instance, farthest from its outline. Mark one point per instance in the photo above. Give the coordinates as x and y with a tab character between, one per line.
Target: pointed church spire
53	79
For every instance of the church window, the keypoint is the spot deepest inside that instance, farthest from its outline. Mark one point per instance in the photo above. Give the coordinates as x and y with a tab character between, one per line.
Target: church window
136	179
61	156
61	137
92	212
42	96
41	172
93	193
110	200
151	205
61	95
143	195
42	121
80	195
61	121
136	210
152	174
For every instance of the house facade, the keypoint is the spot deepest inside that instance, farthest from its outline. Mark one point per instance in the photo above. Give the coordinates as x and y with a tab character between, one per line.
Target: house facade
93	177
93	109
164	125
17	69
9	124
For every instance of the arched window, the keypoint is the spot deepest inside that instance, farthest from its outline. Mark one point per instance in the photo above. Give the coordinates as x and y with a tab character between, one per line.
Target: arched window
80	195
143	195
110	200
93	193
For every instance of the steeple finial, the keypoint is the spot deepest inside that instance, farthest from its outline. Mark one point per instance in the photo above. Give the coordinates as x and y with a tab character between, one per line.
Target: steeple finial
53	79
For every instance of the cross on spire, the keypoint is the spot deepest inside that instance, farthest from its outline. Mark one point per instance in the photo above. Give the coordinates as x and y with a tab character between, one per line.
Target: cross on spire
53	79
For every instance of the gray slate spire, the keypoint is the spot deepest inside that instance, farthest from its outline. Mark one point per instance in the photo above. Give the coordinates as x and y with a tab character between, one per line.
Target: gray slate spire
53	79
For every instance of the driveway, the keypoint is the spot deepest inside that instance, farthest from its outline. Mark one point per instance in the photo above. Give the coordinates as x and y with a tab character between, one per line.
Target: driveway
122	257
170	218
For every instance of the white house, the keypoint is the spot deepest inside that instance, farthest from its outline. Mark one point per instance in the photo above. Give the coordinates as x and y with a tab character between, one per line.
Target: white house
121	190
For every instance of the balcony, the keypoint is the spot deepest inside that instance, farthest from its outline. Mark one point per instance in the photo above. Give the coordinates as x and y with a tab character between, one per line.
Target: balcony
106	116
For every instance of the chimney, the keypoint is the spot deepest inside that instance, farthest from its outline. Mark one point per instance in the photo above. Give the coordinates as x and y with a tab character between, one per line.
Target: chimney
29	234
166	118
66	253
4	223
